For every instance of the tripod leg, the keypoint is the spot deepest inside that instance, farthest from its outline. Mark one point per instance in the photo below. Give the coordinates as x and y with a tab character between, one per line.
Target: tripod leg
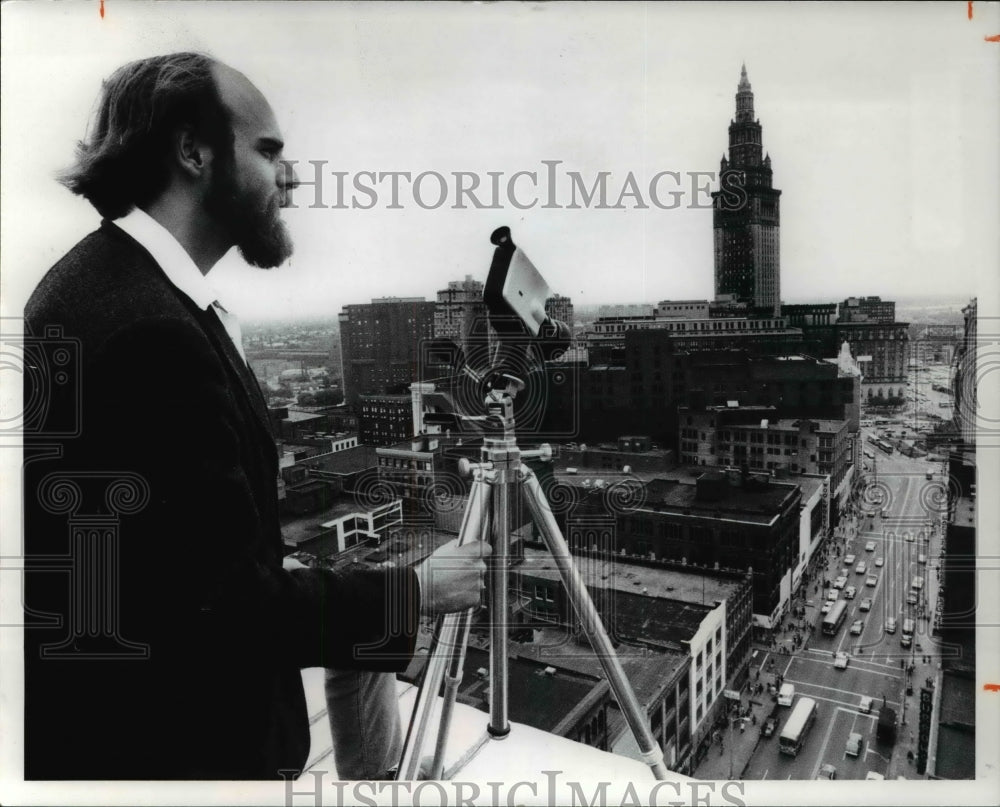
445	646
576	590
452	680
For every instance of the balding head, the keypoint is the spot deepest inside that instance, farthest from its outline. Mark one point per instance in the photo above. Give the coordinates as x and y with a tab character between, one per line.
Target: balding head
124	161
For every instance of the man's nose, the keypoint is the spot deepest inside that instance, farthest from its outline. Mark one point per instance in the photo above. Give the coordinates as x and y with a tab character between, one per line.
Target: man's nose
288	180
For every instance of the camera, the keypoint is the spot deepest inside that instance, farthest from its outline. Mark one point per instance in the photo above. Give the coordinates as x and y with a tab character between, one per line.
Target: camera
512	345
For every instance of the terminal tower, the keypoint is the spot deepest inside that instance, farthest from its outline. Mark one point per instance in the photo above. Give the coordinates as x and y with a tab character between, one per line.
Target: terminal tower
746	215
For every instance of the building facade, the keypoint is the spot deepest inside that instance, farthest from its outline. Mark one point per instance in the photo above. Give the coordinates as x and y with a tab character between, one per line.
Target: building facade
381	344
560	308
746	214
459	310
754	436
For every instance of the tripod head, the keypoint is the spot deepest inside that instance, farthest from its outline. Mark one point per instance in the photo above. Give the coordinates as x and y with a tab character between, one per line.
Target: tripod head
506	350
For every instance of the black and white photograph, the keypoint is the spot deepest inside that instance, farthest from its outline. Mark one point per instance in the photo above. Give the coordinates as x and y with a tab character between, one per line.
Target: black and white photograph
534	403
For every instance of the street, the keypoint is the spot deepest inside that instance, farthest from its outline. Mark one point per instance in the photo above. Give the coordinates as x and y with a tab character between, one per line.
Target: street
898	512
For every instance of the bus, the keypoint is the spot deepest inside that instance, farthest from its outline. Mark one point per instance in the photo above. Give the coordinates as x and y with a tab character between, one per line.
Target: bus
884	446
835	617
797	727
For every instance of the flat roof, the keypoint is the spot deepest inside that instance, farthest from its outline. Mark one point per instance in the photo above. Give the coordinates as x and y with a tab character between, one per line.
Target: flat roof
348	461
648	670
673	584
758	504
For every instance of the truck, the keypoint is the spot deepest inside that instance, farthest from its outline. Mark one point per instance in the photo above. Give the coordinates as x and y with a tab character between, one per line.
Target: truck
786	694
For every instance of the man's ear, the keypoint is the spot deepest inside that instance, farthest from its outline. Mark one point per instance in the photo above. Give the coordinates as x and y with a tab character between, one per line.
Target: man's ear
191	154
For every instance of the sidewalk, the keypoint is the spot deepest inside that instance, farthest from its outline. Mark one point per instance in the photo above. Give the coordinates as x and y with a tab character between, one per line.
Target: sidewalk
734	752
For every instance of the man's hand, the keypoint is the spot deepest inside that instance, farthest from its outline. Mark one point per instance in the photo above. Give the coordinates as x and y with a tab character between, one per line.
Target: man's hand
452	579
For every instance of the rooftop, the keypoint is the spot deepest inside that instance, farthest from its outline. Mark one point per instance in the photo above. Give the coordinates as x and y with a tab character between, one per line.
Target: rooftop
349	461
672	584
759	502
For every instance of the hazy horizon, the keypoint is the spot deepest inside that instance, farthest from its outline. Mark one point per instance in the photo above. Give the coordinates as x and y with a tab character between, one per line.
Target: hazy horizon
882	135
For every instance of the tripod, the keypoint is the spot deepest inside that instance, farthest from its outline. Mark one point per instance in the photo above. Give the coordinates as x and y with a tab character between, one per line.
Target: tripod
487	516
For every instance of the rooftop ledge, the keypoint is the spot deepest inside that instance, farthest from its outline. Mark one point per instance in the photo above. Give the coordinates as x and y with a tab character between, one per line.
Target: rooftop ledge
525	755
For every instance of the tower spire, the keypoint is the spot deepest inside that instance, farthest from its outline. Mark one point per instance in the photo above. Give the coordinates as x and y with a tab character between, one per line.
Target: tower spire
744	97
744	81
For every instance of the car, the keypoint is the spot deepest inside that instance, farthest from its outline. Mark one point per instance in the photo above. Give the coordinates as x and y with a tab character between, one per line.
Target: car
854	744
770	726
857	626
861	568
922	558
826	607
866	604
871	581
840	582
866	704
832	594
841	660
879	562
870	546
908	536
890	625
849	560
827	771
911	598
873	776
845	572
849	592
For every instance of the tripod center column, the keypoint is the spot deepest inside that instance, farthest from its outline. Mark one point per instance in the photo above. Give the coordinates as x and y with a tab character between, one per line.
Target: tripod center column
505	458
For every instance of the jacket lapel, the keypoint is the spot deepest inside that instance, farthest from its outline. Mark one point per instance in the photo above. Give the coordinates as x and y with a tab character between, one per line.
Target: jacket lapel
218	335
247	380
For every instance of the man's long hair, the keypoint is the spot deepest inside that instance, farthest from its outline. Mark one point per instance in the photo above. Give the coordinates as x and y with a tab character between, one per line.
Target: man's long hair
124	161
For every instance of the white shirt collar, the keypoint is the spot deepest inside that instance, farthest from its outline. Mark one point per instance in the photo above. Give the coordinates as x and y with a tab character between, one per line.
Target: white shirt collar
173	259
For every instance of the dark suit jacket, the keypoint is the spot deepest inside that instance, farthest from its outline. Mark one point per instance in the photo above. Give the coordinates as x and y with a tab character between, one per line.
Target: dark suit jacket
167	642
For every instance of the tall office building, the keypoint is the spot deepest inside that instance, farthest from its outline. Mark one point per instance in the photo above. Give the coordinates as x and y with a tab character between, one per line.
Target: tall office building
560	308
459	308
381	345
746	214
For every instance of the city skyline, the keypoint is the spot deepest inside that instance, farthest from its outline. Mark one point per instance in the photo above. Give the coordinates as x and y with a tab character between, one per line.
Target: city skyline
881	125
880	146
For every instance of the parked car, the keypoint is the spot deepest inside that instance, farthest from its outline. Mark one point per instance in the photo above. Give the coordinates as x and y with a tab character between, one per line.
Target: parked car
870	546
770	726
854	744
911	598
840	582
849	560
827	771
849	592
871	581
841	660
866	604
857	627
922	558
866	704
879	562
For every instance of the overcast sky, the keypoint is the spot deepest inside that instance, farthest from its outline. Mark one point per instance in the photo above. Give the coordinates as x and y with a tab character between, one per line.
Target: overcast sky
881	122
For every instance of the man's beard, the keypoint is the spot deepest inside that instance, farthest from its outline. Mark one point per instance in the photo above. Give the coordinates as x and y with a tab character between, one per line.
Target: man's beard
254	225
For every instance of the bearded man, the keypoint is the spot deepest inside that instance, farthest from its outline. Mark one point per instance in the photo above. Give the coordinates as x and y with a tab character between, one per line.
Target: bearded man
200	676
